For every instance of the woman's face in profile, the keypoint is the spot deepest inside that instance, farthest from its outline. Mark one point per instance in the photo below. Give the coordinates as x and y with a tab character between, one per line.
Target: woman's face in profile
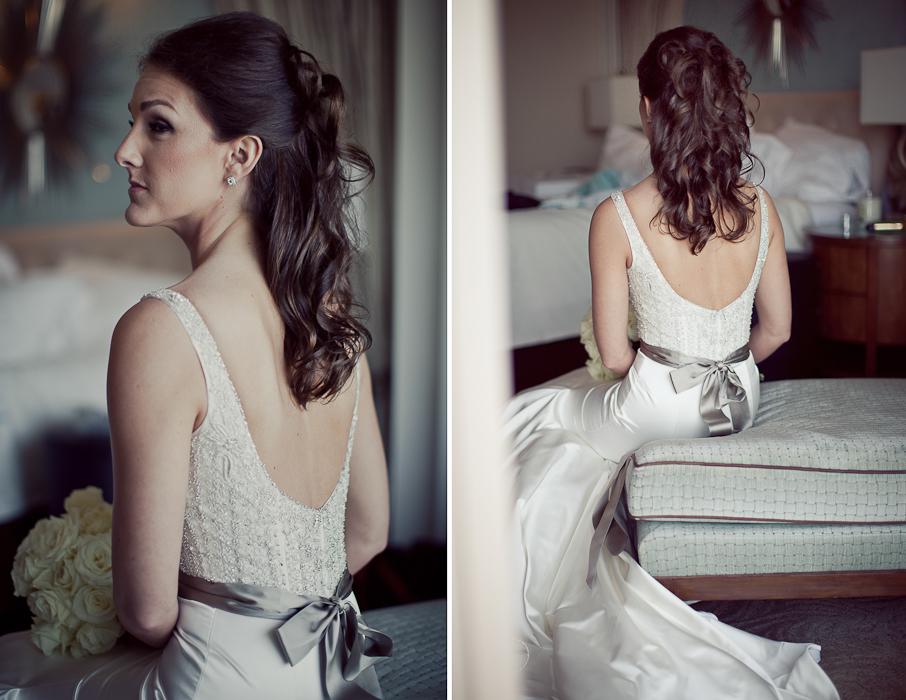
171	152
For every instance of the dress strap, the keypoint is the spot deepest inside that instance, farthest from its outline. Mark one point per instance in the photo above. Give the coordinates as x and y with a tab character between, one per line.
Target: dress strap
629	227
202	341
764	238
355	413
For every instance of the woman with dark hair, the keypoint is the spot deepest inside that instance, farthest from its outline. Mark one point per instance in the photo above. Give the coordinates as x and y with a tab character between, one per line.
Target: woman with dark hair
242	500
690	249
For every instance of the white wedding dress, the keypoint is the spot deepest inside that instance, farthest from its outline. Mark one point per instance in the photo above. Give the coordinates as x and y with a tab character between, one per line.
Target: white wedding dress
265	602
625	636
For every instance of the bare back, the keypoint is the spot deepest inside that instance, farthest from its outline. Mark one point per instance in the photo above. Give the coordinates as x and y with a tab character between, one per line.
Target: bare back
713	278
302	449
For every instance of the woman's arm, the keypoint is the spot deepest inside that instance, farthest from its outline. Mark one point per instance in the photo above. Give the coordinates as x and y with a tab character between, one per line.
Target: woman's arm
154	390
609	256
368	500
772	298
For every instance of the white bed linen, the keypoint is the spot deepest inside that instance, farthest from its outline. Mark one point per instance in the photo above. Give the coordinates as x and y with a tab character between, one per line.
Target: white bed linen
550	282
70	374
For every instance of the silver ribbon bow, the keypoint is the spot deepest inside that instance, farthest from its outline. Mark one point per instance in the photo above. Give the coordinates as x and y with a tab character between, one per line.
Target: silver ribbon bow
350	645
721	385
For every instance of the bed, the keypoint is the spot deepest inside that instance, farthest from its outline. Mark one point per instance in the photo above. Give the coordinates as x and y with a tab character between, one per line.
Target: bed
827	159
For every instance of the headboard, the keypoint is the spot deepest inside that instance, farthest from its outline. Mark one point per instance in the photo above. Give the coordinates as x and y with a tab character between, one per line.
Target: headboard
836	111
153	247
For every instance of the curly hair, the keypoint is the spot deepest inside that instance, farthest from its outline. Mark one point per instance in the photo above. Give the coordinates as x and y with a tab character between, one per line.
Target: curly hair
248	78
699	134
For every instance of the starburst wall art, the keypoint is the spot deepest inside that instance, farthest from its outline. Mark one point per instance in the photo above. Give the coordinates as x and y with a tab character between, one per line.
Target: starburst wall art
53	69
781	29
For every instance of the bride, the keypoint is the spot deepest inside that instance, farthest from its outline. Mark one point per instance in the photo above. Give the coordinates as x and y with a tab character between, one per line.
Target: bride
243	503
690	249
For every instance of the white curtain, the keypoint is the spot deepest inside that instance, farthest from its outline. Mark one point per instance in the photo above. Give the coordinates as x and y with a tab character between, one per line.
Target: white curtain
638	22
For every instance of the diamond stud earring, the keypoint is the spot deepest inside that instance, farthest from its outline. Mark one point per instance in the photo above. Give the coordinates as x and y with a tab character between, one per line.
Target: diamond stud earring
231	180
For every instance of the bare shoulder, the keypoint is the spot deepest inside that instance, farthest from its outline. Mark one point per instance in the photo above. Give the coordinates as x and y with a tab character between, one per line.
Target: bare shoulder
150	344
606	237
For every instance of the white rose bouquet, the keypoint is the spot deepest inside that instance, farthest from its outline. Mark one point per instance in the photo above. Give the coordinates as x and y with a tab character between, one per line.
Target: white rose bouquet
587	335
64	568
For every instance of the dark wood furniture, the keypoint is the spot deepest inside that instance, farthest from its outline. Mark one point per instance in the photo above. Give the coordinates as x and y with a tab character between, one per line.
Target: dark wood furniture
831	584
862	288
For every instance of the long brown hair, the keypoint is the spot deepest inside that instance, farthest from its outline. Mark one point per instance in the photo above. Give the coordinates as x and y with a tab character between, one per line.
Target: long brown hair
248	78
699	134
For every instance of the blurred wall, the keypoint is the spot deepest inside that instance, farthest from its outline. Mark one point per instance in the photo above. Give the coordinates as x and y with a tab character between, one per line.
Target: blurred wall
550	50
128	30
852	27
417	449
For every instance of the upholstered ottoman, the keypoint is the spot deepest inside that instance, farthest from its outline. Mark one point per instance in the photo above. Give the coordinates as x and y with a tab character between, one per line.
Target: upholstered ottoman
808	502
418	668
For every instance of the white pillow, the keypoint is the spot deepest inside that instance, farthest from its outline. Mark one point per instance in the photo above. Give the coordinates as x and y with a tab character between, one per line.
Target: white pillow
9	266
41	314
626	149
825	167
775	156
53	313
113	287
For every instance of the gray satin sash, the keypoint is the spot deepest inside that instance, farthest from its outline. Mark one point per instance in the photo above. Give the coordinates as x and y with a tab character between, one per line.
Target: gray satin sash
350	646
720	387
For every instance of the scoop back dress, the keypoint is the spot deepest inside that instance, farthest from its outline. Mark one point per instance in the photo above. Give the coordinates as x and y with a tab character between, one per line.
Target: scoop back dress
265	601
598	625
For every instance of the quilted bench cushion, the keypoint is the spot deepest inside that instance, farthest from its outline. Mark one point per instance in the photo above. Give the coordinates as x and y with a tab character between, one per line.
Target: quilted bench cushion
820	451
705	549
418	668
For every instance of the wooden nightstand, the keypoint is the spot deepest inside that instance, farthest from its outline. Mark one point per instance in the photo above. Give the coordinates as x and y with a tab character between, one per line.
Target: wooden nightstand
862	282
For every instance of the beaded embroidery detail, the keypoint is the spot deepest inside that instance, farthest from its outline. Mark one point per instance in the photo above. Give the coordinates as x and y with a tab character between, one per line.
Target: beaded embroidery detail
669	320
239	525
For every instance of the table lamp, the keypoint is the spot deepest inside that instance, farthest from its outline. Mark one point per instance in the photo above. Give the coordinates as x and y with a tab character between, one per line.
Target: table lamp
882	100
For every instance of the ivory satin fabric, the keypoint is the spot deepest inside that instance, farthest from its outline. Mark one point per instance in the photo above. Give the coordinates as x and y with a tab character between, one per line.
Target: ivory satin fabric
627	637
212	655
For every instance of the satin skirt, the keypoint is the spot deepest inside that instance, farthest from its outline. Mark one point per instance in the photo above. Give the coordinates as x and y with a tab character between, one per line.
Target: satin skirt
627	637
212	654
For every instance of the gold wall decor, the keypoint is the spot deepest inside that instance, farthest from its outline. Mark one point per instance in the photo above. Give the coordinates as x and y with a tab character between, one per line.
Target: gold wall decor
53	67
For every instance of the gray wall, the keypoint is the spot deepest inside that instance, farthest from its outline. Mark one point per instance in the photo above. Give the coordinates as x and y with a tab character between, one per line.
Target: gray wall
129	30
852	27
550	50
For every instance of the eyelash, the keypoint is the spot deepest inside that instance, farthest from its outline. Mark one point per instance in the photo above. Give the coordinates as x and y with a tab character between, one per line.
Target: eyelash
163	126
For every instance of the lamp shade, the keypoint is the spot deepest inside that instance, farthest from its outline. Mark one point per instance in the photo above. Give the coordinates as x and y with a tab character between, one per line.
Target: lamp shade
881	94
612	100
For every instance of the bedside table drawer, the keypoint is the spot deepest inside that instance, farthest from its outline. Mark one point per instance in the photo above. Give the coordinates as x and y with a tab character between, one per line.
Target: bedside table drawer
841	268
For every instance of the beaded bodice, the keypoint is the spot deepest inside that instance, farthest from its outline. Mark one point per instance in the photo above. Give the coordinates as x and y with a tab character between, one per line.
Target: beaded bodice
668	320
239	525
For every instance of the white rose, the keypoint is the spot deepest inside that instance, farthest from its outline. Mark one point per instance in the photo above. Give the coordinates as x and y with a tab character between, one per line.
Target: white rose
94	560
51	637
49	540
95	519
94	605
22	577
587	336
64	576
50	606
81	499
95	639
